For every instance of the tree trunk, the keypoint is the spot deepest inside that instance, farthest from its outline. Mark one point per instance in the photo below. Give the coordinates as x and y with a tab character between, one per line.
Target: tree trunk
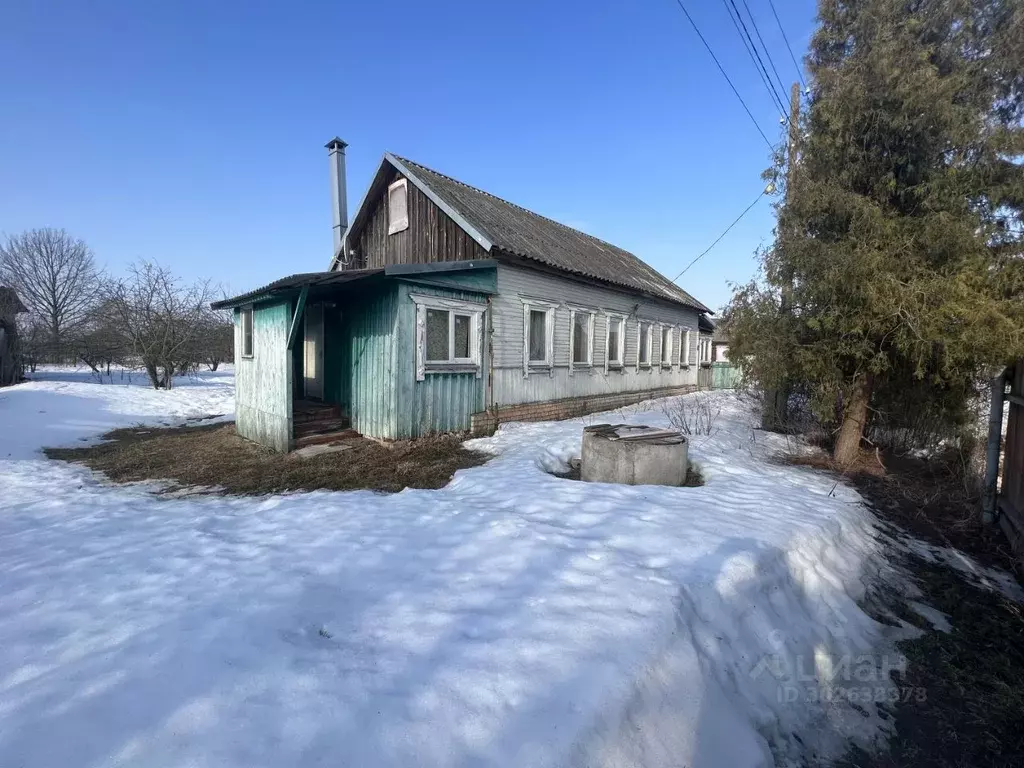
775	409
154	376
855	418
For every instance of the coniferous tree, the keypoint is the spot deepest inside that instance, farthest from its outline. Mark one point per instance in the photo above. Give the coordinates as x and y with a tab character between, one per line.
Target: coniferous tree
899	244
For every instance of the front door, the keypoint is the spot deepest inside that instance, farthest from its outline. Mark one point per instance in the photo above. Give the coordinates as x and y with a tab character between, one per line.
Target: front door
313	353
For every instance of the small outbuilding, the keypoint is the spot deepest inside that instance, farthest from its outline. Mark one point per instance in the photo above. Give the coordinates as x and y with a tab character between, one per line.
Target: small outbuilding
10	308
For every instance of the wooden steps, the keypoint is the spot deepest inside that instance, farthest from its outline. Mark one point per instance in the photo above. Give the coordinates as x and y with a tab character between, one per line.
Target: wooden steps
319	438
317	427
305	411
315	423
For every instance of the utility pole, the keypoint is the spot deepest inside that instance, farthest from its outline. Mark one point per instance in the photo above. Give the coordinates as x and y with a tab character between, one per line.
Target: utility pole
776	401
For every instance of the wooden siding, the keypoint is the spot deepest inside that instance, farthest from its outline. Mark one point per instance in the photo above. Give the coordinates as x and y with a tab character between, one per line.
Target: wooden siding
370	334
1011	500
263	382
512	387
431	236
442	402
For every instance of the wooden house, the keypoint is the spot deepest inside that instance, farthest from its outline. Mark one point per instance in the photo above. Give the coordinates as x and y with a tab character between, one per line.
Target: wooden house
446	308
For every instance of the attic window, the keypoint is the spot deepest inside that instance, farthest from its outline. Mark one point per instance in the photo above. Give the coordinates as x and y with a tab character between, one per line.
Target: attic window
398	206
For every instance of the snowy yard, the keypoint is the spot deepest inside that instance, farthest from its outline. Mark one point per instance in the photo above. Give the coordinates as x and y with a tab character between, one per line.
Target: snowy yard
512	618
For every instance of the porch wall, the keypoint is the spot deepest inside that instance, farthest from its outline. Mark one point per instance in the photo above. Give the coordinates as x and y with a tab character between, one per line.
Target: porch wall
263	382
383	397
442	402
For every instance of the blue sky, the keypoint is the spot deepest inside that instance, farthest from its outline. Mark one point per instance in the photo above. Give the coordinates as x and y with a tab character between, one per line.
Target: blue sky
192	132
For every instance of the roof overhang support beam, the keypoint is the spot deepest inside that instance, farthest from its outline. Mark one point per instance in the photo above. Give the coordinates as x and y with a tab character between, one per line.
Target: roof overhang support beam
300	307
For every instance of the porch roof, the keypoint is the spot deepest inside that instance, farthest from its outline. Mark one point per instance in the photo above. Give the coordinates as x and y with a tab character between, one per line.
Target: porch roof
292	283
326	280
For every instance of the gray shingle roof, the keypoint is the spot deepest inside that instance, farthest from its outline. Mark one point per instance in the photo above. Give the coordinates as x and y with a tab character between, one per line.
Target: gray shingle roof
517	231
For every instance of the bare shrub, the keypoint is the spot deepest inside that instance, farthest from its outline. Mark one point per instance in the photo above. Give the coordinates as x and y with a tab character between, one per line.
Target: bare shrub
161	317
692	415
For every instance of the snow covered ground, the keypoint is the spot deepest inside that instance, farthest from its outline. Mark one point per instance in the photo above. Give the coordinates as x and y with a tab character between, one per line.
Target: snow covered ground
512	618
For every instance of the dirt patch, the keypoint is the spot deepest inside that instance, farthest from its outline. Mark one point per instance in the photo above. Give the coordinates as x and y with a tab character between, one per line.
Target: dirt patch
967	684
216	459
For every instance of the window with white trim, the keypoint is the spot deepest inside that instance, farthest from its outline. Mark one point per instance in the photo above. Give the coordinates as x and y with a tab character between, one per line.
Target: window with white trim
246	323
538	334
666	345
398	206
447	335
581	337
705	349
616	342
644	344
685	356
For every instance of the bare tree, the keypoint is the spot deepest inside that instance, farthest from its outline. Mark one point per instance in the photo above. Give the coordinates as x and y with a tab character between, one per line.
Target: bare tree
161	317
215	343
101	341
32	335
56	277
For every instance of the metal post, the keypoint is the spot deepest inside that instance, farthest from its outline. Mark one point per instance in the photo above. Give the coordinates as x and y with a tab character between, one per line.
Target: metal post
995	436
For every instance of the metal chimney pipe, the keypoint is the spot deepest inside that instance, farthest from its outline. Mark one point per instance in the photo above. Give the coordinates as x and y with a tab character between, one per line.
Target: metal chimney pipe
339	197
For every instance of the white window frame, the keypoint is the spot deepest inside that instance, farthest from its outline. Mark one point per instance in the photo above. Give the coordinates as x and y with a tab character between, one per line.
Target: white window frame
621	361
548	308
705	350
650	342
684	353
589	362
469	364
666	359
246	311
402	224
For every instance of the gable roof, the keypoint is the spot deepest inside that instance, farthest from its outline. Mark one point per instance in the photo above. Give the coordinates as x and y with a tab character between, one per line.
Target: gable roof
498	224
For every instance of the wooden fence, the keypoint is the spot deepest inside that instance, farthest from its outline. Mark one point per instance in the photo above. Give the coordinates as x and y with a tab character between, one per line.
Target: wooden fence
704	377
1011	495
718	376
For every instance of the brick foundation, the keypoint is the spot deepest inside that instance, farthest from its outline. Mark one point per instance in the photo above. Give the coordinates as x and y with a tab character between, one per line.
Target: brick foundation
486	422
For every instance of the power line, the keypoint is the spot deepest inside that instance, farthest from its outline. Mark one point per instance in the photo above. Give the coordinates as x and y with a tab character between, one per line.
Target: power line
750	55
767	53
757	55
722	70
717	239
799	71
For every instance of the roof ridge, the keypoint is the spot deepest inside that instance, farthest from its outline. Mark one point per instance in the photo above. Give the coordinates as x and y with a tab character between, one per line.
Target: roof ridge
647	276
516	205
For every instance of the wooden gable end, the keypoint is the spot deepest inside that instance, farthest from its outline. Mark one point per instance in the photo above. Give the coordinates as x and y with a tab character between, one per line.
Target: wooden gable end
431	236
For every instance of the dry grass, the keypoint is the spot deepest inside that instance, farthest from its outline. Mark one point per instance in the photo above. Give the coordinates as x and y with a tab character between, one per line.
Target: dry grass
217	460
935	499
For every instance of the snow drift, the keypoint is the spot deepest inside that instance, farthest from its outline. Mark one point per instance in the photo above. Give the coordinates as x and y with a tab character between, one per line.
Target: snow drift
513	618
